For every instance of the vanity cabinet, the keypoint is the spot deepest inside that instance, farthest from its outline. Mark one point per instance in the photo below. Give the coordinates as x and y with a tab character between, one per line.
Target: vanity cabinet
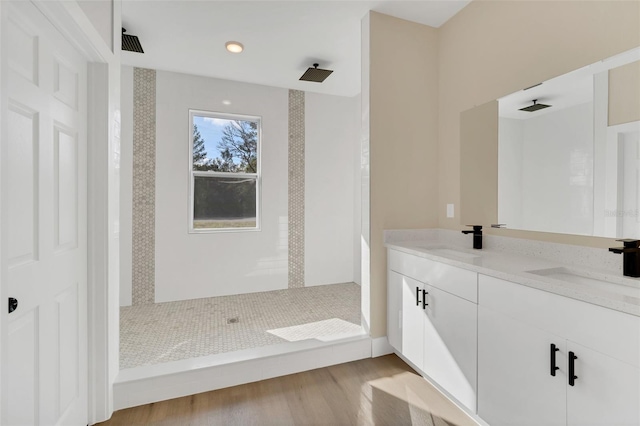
517	381
432	321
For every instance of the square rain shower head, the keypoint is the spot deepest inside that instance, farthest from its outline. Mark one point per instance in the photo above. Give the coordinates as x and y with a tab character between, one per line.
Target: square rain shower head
131	43
535	107
315	74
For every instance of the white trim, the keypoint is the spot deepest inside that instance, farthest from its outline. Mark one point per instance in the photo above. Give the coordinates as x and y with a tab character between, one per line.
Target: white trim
100	406
144	385
3	270
380	346
193	173
73	24
103	109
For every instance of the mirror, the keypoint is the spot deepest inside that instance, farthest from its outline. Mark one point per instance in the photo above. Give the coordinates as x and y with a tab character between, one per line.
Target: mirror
569	152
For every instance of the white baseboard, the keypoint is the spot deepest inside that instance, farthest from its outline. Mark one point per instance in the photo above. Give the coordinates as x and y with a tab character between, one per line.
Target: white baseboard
380	346
144	385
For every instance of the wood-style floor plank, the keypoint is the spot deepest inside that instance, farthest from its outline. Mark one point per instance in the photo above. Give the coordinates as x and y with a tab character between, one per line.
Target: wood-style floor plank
375	391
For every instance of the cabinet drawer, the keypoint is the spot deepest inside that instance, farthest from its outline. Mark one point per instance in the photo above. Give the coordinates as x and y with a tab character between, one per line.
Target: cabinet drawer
610	332
458	281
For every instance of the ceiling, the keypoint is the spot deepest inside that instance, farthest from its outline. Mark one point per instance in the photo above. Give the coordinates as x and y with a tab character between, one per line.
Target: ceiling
281	38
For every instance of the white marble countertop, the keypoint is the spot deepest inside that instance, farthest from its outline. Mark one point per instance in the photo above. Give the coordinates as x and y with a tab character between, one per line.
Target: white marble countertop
619	293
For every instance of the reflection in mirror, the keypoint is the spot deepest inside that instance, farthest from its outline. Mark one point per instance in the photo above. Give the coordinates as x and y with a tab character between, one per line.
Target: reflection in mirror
568	152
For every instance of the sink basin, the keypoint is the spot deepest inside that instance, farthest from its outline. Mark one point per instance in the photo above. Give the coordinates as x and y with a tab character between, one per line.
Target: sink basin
608	284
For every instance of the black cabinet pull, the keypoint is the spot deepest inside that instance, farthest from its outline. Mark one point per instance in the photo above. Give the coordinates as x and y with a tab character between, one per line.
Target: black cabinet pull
572	368
553	350
417	296
424	299
13	304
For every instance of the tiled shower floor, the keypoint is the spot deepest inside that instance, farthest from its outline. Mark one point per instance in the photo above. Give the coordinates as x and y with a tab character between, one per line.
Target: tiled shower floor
153	334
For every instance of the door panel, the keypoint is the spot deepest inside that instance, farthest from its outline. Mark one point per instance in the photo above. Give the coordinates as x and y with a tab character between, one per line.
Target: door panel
606	391
65	188
450	344
67	313
23	50
412	321
515	386
22	399
22	197
45	233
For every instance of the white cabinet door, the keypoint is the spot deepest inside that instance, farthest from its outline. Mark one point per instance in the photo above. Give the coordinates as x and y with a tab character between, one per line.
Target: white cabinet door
605	392
515	385
412	321
450	344
394	310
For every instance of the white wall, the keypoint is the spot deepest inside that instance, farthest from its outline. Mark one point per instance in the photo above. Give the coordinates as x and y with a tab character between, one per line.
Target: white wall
557	171
331	131
100	13
192	266
126	189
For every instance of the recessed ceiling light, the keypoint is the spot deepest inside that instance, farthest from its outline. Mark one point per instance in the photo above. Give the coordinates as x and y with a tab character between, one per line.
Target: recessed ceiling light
226	102
234	46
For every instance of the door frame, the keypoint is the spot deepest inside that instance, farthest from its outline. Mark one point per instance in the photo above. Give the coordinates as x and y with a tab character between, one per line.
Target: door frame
103	140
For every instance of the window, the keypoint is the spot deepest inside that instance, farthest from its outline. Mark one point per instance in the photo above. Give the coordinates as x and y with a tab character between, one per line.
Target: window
225	172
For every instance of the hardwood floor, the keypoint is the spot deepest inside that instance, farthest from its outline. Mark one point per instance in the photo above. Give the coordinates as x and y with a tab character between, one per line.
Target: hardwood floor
375	391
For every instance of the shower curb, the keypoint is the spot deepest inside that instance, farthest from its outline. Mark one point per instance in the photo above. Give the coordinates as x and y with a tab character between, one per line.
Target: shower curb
154	383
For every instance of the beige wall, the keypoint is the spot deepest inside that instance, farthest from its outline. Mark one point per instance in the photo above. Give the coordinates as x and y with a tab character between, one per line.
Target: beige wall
493	48
624	94
403	140
479	127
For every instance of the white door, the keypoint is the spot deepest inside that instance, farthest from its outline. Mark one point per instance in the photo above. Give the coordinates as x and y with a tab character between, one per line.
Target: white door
450	344
44	222
515	385
412	320
630	176
605	392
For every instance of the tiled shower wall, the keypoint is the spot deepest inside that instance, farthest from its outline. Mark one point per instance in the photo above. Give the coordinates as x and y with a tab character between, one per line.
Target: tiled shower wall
144	186
296	188
143	205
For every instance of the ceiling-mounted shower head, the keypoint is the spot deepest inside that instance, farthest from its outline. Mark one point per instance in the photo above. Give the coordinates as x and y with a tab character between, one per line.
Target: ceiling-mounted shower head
131	43
315	74
535	107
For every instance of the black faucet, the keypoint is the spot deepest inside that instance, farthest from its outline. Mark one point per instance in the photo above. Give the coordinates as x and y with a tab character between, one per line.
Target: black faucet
477	236
631	257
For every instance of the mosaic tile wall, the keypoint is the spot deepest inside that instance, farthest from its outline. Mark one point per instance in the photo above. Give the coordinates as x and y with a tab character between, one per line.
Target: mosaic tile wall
144	185
296	188
153	334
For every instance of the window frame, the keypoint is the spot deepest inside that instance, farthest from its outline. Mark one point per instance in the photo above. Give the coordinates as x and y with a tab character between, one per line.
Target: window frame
193	173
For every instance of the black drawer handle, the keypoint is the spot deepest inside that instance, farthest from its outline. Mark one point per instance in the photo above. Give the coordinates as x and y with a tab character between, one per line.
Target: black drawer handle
13	304
553	350
572	368
417	296
424	299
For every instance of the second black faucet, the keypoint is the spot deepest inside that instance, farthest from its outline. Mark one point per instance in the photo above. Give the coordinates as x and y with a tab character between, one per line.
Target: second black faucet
477	236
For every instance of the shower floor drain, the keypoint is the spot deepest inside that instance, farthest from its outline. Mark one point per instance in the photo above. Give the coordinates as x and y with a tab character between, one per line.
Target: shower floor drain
233	320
